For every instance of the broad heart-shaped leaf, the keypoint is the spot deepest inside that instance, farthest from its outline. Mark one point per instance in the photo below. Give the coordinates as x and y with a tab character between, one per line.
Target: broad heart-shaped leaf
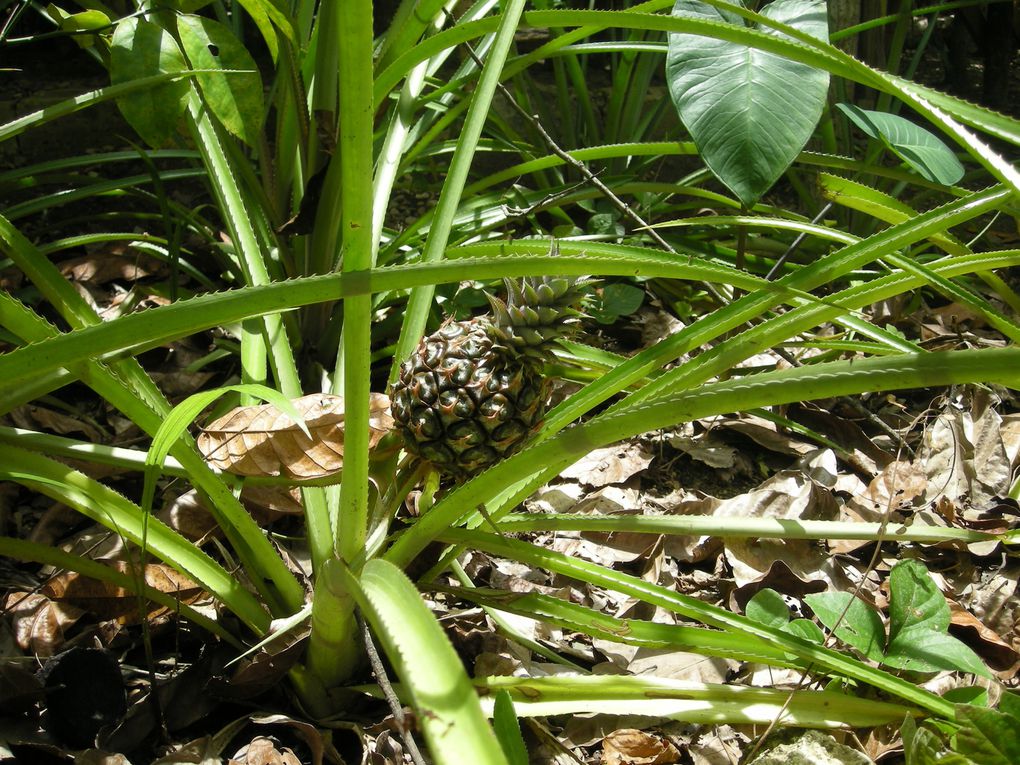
235	96
918	619
919	148
749	112
140	49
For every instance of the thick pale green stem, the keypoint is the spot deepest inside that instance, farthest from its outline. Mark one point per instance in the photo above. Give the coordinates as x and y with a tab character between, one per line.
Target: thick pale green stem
333	650
355	152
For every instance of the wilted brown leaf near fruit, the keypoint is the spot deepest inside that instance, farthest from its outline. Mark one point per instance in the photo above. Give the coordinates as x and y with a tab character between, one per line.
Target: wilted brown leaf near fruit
263	441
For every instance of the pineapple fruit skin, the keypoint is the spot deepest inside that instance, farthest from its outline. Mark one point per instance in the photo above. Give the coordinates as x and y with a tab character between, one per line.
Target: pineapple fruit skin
463	403
474	392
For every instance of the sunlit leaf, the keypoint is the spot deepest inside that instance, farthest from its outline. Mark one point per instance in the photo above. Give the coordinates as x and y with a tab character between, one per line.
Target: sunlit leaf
234	96
139	49
749	112
919	148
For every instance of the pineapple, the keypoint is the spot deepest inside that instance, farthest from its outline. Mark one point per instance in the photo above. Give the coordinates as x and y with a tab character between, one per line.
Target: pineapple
474	392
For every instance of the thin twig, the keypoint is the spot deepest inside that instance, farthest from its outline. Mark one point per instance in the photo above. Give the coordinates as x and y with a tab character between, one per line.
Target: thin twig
391	697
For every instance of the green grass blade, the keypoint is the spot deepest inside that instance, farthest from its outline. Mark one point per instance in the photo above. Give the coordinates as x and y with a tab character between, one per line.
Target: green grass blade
449	198
577	618
826	659
135	332
34	552
131	391
690	702
762	528
70	106
755	304
108	508
678	405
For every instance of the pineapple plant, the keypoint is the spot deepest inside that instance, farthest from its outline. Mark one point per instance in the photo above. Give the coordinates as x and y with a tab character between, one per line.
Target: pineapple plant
475	391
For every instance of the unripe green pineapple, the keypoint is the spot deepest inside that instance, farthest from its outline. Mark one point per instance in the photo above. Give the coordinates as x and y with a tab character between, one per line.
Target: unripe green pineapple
474	392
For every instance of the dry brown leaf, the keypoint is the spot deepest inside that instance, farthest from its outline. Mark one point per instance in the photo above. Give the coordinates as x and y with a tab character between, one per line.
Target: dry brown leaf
107	601
966	458
780	578
619	547
635	747
20	689
613	464
119	262
319	745
986	643
38	622
263	441
99	757
762	432
786	495
719	745
270	502
258	673
188	516
262	751
681	665
707	448
32	417
691	549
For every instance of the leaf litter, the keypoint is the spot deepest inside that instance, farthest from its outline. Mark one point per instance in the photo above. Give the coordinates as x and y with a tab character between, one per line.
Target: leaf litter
951	469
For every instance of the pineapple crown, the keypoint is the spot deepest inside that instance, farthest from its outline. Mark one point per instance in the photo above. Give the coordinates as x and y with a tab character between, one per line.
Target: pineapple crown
538	310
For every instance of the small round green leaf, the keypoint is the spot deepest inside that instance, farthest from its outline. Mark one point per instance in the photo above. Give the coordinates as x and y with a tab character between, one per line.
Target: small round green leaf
768	607
616	300
851	619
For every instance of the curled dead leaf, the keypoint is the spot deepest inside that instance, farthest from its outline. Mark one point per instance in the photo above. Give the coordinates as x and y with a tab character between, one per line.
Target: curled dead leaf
38	622
263	441
263	751
998	654
108	601
635	747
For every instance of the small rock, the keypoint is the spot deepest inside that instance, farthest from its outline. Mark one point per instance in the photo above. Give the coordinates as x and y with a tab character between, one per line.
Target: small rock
812	748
